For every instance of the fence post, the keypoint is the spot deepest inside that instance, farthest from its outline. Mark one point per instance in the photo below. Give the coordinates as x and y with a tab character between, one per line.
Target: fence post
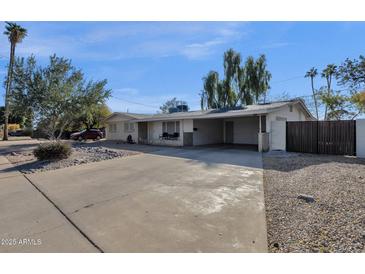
360	138
317	137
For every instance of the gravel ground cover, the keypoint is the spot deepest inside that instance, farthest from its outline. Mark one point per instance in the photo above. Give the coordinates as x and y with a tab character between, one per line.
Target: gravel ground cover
26	162
333	222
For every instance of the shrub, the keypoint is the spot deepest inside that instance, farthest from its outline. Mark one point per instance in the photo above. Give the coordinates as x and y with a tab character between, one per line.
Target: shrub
52	151
28	132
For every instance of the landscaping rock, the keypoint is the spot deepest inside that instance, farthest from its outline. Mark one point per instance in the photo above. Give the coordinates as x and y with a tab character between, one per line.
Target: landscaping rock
81	154
307	198
334	222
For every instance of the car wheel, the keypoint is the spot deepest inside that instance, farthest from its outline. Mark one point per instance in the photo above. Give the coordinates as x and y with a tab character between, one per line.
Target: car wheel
80	138
97	137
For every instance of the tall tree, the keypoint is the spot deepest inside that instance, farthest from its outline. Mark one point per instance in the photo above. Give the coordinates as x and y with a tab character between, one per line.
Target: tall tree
337	105
262	78
210	95
351	73
231	64
254	80
23	90
92	116
328	73
57	94
13	118
245	75
357	100
244	84
15	34
312	73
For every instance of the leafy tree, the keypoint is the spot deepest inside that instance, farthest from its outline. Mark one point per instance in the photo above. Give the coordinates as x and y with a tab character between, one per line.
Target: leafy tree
244	85
15	34
172	103
352	73
232	61
254	80
212	94
312	73
336	105
13	118
56	94
23	89
328	73
93	116
262	78
357	100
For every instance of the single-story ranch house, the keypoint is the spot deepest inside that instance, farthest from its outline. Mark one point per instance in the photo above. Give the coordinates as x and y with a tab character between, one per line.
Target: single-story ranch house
259	125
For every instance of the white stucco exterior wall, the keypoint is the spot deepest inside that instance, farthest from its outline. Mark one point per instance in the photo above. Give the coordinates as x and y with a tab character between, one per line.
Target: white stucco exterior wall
155	130
245	130
120	133
360	138
209	131
188	125
284	114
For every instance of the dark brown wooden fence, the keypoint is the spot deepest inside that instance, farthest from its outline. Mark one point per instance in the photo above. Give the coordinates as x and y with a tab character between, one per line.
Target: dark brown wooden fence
323	137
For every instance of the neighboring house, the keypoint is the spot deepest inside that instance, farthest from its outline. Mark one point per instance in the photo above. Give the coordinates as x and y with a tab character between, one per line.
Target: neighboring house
250	125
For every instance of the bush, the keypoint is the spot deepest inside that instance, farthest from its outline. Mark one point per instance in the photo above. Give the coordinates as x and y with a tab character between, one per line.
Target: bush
52	151
28	132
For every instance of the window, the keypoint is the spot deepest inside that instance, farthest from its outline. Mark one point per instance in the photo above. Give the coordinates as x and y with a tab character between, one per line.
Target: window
128	127
171	127
112	128
291	108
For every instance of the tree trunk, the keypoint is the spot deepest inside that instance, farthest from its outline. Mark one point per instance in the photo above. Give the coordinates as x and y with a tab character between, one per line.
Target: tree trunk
314	98
328	93
61	131
7	92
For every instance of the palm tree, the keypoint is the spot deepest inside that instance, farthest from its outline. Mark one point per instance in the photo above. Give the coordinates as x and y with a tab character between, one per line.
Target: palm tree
328	73
312	73
15	35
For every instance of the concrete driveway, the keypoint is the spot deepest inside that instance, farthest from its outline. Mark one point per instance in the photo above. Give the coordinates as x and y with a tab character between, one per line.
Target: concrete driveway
164	200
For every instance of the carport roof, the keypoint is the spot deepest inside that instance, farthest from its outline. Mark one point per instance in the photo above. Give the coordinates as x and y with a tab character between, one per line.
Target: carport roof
211	113
223	113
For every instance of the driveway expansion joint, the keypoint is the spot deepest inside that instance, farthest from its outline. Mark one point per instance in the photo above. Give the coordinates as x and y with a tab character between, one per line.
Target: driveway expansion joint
67	218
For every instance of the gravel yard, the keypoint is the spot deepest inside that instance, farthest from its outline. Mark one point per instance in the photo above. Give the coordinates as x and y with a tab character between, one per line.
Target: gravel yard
26	162
334	222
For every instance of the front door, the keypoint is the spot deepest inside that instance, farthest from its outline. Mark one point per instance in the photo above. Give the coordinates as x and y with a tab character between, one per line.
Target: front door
142	133
229	132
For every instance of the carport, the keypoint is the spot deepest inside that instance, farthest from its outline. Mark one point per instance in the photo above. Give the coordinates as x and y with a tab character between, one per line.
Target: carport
243	130
252	125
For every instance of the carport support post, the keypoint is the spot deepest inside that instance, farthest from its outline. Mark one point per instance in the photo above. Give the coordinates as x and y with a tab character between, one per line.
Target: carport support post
260	135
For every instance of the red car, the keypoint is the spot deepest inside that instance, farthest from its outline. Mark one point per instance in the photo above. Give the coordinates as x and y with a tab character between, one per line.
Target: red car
94	134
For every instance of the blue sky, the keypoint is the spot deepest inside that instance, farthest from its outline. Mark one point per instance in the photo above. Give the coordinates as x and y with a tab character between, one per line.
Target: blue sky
147	63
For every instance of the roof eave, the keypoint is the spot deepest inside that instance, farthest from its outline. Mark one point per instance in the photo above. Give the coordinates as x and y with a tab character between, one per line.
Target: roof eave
204	116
